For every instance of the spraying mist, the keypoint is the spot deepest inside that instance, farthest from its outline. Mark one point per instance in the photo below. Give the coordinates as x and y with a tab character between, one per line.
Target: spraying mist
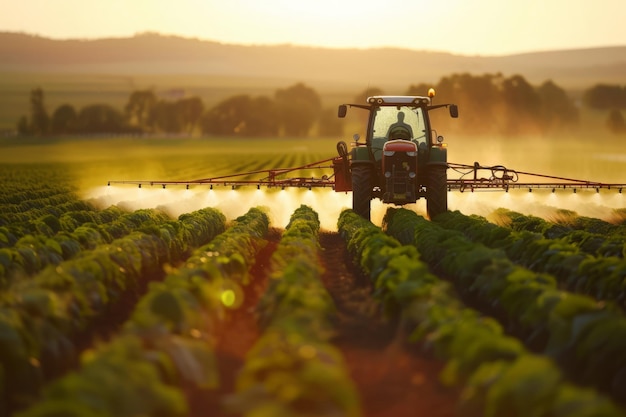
328	204
175	201
541	203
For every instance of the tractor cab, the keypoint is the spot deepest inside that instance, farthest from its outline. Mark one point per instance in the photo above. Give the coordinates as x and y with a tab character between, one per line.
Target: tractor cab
400	122
401	159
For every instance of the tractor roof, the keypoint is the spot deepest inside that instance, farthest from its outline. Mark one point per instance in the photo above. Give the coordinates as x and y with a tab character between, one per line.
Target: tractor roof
398	100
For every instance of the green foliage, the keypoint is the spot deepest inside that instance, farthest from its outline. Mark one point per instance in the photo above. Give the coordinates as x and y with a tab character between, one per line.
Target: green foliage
292	369
96	389
584	262
582	335
177	316
65	297
572	401
525	389
233	251
17	348
287	374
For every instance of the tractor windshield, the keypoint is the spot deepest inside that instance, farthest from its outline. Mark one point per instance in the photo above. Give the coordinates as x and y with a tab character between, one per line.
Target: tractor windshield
399	122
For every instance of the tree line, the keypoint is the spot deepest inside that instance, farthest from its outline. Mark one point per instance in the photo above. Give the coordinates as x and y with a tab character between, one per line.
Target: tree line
612	98
293	111
490	103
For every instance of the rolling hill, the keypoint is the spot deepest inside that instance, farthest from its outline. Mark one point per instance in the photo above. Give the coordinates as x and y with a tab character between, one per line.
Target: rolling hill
82	72
151	53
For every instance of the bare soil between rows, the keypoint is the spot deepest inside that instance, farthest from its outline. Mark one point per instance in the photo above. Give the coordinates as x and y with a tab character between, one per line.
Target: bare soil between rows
393	377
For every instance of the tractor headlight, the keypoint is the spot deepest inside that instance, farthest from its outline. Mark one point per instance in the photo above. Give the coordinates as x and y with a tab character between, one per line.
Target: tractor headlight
411	153
388	153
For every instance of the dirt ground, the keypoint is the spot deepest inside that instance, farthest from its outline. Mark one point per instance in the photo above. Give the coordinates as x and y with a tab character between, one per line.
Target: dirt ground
392	377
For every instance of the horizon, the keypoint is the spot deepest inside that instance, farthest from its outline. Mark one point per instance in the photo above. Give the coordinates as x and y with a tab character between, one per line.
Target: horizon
184	37
479	28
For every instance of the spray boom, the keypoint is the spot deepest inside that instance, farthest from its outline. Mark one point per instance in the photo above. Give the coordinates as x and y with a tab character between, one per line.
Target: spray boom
474	177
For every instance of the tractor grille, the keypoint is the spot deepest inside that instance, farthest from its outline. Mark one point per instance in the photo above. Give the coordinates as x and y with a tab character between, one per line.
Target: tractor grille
399	173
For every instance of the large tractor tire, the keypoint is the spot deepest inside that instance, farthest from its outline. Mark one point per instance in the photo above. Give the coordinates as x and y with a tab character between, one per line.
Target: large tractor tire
437	190
362	189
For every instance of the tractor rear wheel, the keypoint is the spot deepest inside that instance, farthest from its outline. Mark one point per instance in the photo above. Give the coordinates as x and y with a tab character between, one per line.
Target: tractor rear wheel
362	189
437	190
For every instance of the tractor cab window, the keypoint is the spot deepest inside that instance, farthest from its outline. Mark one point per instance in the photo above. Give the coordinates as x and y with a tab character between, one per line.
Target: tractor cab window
399	122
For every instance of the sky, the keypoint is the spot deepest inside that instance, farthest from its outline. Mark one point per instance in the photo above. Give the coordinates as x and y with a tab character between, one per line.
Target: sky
465	27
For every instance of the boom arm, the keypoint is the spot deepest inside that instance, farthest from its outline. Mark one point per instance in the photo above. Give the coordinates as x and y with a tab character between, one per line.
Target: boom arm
472	178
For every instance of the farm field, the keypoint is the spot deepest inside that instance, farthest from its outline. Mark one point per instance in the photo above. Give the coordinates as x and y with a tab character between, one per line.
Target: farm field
124	301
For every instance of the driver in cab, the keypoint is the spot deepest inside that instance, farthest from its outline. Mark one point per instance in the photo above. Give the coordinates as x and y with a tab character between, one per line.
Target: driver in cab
400	129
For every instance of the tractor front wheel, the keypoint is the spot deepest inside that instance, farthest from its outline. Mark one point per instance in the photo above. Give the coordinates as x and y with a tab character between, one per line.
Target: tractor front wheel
362	189
437	190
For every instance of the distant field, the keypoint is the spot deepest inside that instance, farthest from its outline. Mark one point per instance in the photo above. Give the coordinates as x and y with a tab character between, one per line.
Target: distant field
94	161
583	156
84	89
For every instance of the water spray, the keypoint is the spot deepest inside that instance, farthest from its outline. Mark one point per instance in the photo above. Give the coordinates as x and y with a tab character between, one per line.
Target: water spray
283	193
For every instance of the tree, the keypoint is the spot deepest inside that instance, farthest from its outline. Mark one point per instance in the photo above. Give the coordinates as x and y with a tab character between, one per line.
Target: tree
604	97
23	127
298	108
227	117
63	120
139	109
615	122
166	117
261	118
100	118
329	123
479	97
39	119
522	105
241	116
189	111
557	109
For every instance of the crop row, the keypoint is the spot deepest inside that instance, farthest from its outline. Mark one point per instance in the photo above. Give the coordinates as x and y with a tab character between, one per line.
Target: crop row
593	236
28	219
498	374
565	220
40	317
31	253
33	200
585	337
58	219
22	184
165	350
602	277
34	195
293	369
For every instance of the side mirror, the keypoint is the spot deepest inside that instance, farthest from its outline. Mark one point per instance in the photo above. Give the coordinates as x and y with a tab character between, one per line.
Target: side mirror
454	111
341	112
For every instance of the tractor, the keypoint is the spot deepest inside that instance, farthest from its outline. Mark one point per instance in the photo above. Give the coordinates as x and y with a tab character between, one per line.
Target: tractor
402	158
